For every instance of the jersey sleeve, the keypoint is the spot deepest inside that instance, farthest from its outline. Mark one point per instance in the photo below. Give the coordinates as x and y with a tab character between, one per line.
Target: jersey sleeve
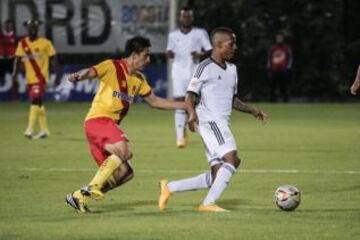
50	50
198	79
19	51
170	44
205	42
101	69
145	89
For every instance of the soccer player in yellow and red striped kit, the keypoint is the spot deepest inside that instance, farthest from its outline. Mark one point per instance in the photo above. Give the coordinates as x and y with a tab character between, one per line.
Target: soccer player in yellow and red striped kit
36	52
121	80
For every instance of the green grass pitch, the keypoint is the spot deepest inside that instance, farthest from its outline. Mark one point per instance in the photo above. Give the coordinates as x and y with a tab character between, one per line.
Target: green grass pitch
312	146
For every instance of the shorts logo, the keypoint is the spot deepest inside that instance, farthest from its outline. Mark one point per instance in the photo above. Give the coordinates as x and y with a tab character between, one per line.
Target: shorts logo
123	96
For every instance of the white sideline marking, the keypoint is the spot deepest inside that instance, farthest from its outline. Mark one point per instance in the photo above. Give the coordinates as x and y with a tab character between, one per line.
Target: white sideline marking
254	171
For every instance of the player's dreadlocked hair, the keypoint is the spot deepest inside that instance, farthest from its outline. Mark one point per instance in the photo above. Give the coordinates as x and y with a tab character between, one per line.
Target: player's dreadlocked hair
136	44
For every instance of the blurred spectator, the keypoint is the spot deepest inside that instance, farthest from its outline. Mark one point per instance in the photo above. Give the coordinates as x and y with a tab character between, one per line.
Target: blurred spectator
8	43
356	85
279	64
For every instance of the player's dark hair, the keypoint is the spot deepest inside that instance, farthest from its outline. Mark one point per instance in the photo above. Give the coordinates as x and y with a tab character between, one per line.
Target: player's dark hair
136	44
220	30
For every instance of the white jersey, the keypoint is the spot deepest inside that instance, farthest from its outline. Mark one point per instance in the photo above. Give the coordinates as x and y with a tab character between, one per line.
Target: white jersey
216	87
182	45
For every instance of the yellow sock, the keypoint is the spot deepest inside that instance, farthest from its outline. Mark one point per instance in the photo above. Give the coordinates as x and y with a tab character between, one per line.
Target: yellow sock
105	171
42	120
33	116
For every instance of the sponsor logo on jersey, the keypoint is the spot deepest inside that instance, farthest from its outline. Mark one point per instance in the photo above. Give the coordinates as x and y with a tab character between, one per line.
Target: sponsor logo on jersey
123	96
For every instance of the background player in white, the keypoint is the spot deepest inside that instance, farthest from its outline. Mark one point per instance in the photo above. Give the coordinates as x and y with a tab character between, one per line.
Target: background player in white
215	82
185	46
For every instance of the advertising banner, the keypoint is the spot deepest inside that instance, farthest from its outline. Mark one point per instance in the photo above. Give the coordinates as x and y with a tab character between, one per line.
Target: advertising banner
80	91
92	26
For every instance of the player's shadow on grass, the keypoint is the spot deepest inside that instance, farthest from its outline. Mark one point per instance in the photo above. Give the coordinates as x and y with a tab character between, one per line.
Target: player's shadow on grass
232	203
125	206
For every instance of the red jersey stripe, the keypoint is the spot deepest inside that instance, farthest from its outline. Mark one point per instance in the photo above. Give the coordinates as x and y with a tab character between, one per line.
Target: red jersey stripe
34	64
123	87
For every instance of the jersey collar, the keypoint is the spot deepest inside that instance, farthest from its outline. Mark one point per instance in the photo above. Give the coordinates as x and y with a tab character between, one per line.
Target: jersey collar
125	65
222	67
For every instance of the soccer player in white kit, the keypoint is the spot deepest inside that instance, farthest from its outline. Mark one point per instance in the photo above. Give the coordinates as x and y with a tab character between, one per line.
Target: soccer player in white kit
185	46
215	83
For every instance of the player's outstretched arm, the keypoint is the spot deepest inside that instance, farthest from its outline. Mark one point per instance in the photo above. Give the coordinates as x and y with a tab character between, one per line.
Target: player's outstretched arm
190	108
356	85
162	103
82	75
243	107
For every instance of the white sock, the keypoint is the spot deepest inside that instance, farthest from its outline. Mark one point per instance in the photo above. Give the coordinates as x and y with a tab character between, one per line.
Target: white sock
180	123
198	182
222	179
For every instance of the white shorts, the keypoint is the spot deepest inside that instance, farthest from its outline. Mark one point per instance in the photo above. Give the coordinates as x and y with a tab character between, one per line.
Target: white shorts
180	87
218	141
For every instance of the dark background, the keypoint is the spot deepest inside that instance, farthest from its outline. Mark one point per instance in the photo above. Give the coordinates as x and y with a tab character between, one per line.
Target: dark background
324	34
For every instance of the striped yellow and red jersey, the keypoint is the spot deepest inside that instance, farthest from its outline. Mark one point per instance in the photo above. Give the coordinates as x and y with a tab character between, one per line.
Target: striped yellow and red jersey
117	90
41	49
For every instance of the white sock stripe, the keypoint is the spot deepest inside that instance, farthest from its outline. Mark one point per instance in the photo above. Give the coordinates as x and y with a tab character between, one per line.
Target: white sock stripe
208	179
229	167
215	160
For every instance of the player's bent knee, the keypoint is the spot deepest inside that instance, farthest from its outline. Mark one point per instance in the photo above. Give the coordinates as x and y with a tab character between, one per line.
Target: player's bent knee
237	162
119	149
128	155
233	159
125	155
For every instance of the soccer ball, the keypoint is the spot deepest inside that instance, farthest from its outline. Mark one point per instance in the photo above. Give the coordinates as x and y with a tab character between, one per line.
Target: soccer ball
287	197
